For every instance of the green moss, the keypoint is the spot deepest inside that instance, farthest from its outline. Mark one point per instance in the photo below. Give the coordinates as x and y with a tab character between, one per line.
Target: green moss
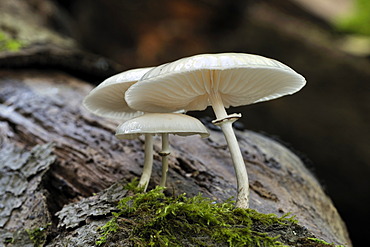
319	242
133	186
9	44
314	242
38	235
358	21
9	240
106	230
153	219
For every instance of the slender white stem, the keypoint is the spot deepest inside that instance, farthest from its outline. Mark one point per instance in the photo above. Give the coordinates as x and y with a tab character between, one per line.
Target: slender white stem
239	166
242	200
164	153
148	162
217	105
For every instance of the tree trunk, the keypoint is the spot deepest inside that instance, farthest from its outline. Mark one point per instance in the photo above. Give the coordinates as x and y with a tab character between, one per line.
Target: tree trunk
53	152
61	167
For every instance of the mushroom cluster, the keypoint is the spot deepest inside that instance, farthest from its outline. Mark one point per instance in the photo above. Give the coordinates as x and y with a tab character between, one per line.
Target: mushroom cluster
107	100
163	124
216	80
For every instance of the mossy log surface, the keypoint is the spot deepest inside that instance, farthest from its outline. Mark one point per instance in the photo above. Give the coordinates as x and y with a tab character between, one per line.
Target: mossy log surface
55	156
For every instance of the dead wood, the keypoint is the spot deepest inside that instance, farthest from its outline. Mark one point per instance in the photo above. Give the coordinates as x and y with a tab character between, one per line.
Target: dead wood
54	156
53	152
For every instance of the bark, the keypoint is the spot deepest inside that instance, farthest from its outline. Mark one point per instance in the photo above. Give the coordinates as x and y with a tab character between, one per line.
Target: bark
45	46
55	156
54	152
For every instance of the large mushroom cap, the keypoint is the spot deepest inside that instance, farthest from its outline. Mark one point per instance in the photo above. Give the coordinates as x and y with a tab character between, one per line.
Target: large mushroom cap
160	123
239	79
107	99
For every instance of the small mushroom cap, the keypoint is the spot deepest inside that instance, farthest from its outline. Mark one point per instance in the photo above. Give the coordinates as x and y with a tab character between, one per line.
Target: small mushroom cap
240	79
107	99
160	123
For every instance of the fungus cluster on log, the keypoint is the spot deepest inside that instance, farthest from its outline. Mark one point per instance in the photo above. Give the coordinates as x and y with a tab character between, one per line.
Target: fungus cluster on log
190	84
160	124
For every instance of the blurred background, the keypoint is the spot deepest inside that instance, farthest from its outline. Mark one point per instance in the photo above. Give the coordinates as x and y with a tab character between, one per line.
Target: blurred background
328	42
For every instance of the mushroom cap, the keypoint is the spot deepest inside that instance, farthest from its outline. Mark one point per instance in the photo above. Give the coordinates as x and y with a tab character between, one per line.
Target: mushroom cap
240	79
108	98
161	123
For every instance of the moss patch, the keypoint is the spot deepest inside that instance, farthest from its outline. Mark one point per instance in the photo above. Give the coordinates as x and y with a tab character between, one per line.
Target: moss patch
38	235
153	219
9	44
358	21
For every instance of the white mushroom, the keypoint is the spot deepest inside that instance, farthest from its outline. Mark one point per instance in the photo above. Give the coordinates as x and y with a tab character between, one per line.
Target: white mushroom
219	80
107	100
162	124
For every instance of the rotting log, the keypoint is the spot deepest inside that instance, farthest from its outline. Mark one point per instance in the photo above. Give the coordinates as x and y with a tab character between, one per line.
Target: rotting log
54	153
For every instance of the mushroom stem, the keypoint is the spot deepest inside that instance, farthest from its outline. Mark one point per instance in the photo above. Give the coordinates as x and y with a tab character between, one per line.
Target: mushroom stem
240	170
148	162
239	166
164	153
217	105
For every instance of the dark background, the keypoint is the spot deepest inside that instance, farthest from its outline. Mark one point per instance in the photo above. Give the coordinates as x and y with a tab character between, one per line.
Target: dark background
327	122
